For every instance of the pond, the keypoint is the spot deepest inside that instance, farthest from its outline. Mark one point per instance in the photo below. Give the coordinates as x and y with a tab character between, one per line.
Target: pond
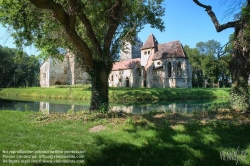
63	106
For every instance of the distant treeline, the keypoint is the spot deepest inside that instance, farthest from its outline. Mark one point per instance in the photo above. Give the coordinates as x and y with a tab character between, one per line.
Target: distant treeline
18	69
210	64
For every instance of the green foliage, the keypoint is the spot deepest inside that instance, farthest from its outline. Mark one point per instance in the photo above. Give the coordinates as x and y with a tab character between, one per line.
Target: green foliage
210	47
206	66
246	18
209	63
41	27
239	95
18	69
195	61
93	30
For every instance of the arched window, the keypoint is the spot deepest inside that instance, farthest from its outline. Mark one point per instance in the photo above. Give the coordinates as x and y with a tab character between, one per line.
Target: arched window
179	69
112	78
127	82
169	70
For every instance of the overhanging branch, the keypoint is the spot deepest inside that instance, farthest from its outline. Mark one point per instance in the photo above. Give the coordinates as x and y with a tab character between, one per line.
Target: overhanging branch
115	20
214	19
90	32
68	22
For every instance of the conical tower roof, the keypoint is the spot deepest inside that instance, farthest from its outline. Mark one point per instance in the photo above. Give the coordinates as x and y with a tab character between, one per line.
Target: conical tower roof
150	43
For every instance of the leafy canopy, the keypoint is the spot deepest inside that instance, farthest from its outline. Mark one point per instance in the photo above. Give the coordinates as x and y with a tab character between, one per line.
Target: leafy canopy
101	25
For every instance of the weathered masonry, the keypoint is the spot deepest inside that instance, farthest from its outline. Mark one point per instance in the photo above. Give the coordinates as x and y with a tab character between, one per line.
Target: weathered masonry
67	71
149	65
159	65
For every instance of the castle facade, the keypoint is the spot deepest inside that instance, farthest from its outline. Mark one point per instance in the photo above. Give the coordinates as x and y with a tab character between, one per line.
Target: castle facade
154	65
142	65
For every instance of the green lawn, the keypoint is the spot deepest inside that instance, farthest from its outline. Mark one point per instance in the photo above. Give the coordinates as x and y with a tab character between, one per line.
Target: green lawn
149	139
118	94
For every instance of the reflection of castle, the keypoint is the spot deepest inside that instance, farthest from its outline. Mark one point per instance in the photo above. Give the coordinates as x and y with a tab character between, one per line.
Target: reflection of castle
47	108
148	65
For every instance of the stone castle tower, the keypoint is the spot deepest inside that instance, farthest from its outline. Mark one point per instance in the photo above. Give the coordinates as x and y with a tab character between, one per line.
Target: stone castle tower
132	50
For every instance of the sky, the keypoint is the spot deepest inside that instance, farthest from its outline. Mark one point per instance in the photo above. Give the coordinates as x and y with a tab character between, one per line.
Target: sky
184	21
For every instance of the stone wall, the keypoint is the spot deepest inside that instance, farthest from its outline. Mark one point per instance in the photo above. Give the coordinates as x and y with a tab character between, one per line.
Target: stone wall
126	78
172	72
67	71
131	51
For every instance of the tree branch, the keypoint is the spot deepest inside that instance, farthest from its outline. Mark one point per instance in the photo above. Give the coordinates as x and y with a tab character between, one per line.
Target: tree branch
115	20
90	32
214	19
68	22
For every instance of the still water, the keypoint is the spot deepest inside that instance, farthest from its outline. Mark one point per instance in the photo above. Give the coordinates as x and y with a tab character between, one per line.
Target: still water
60	106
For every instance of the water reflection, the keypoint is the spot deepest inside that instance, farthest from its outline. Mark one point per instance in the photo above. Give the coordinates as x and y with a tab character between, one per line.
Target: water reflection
172	107
48	107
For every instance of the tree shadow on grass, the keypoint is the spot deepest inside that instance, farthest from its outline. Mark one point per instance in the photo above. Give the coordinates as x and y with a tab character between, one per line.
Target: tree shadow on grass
151	94
174	144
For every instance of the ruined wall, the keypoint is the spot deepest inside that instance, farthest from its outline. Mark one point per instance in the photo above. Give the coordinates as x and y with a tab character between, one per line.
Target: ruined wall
77	72
53	71
67	71
44	74
131	51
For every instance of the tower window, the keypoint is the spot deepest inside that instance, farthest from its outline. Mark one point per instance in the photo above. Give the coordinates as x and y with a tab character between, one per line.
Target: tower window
127	82
179	69
169	70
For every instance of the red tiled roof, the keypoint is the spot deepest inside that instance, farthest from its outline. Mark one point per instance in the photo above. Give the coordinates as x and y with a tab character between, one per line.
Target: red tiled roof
170	50
127	64
151	42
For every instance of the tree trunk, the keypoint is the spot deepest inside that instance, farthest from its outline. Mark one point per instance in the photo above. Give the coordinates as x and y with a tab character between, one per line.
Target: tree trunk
99	82
239	95
240	62
240	67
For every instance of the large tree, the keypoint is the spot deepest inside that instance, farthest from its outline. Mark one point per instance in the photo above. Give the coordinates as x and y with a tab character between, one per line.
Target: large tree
194	58
204	63
240	60
17	69
209	63
93	29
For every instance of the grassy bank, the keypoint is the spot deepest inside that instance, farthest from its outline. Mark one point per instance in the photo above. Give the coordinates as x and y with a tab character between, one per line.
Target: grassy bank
149	139
118	94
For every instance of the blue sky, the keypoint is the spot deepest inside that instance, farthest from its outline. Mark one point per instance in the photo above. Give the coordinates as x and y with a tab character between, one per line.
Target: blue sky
190	24
184	21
